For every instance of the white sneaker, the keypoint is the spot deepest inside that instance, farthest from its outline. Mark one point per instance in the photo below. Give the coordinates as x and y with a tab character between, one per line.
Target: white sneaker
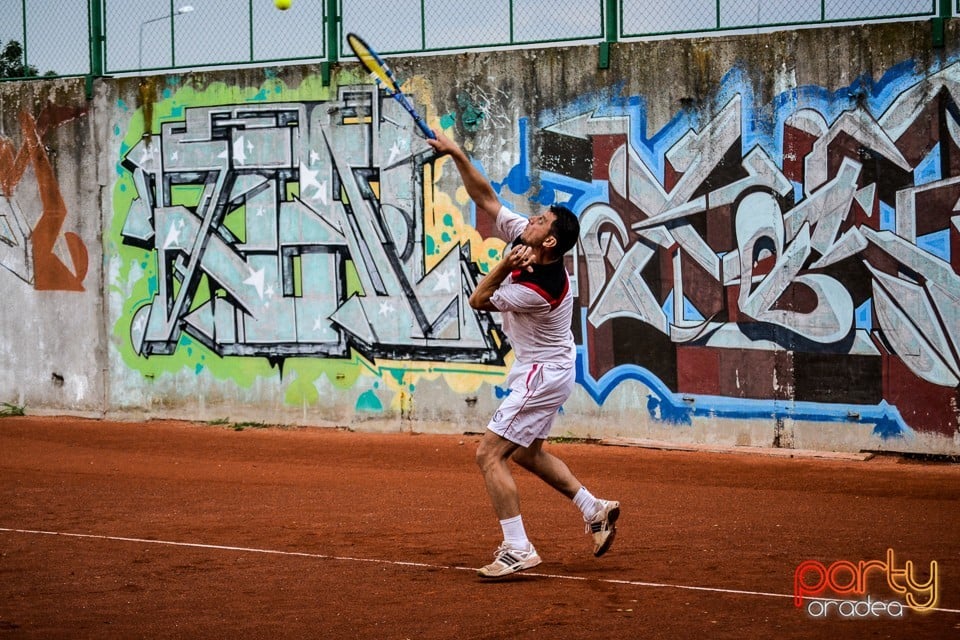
508	560
603	526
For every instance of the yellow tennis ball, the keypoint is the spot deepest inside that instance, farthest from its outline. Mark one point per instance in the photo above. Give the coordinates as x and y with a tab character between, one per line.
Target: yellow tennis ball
283	5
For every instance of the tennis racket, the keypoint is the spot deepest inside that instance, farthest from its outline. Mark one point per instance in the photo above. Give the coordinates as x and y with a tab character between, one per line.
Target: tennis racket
385	78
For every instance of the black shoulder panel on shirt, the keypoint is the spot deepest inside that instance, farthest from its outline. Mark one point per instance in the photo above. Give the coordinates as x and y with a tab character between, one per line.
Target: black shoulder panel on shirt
548	280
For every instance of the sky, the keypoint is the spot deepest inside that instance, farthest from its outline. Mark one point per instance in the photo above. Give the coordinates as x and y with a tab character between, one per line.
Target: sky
218	32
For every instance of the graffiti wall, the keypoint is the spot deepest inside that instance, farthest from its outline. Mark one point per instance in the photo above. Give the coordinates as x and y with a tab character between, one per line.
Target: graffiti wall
299	242
50	301
292	251
808	262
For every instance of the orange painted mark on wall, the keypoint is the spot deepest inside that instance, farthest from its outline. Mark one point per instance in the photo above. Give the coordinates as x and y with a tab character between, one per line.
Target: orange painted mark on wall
44	243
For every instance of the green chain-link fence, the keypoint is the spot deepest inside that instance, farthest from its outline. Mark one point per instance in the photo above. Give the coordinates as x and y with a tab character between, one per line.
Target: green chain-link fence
405	26
49	37
105	37
661	17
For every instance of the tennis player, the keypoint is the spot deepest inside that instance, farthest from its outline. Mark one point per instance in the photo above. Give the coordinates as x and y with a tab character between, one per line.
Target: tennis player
531	290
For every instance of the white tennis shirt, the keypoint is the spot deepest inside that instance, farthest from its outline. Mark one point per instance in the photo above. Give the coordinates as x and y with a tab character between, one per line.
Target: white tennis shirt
536	308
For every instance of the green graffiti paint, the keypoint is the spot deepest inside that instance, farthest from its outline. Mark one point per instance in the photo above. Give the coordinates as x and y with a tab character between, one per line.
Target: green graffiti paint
448	120
368	401
236	223
186	195
297	276
470	114
304	375
204	293
354	286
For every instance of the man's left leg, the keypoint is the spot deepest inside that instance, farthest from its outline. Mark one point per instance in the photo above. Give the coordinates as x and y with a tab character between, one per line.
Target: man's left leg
599	515
548	468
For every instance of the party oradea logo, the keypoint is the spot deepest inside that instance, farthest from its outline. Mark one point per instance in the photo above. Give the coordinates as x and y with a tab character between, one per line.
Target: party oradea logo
868	589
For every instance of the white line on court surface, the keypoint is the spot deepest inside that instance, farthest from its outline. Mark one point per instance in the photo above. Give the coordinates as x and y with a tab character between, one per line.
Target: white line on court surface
400	563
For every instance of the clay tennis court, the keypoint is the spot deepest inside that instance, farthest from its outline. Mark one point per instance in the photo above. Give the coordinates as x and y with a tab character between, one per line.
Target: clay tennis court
178	530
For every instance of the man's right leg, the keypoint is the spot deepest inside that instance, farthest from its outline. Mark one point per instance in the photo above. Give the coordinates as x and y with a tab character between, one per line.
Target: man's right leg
493	458
516	553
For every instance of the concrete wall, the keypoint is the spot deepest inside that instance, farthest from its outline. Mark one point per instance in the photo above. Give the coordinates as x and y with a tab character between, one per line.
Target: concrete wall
769	253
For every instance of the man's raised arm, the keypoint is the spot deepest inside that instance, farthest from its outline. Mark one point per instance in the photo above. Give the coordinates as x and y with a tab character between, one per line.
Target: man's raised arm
478	187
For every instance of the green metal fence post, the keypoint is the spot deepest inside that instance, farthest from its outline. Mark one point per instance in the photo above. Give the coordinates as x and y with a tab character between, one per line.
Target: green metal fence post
611	20
423	25
938	25
250	50
97	39
333	40
24	43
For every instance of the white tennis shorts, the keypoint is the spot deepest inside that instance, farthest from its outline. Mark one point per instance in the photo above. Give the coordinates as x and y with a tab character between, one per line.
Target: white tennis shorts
537	391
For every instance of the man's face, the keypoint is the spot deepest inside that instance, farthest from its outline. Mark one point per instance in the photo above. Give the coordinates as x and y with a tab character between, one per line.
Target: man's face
538	229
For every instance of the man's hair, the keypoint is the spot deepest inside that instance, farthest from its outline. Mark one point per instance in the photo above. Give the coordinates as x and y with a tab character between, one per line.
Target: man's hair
565	228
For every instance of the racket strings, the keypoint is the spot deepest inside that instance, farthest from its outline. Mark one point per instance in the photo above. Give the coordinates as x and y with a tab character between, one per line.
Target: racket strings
377	68
384	78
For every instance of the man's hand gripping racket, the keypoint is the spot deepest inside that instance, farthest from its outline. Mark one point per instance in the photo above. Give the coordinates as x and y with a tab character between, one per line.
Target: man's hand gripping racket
385	79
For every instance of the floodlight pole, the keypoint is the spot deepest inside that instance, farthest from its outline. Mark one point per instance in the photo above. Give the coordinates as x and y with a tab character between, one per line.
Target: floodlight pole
173	14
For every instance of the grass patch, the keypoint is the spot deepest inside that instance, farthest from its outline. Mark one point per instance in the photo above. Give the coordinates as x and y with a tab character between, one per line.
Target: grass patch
572	440
240	426
237	426
7	409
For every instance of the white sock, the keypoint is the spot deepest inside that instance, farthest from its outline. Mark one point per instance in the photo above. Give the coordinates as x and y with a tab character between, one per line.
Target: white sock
586	503
513	533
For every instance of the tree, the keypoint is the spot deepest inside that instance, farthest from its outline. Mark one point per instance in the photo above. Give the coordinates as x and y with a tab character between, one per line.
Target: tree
11	62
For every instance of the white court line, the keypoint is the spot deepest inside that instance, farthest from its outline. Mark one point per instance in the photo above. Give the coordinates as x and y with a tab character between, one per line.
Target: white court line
424	565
